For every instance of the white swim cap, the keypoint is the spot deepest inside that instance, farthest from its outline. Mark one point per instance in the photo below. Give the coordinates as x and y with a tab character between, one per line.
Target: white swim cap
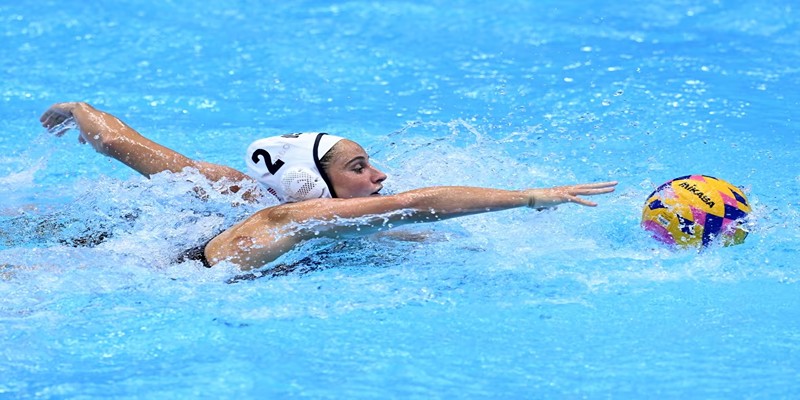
289	165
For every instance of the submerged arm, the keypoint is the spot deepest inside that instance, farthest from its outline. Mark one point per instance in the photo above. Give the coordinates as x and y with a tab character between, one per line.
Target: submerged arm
109	136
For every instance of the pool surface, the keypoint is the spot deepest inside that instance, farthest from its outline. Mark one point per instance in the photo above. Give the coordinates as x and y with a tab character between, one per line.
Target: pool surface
574	302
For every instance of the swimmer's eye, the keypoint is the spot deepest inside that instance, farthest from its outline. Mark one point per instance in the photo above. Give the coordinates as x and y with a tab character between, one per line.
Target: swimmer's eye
358	165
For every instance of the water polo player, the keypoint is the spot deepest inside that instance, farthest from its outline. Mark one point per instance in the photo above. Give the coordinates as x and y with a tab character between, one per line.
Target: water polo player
323	183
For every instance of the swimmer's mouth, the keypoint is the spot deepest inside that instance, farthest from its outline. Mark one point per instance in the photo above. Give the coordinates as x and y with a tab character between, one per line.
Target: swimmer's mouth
377	192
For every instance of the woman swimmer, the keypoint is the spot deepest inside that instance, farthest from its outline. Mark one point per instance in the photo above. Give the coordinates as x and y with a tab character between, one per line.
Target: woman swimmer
321	180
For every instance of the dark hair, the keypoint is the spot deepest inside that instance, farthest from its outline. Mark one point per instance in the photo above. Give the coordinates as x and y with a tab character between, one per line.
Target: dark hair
327	159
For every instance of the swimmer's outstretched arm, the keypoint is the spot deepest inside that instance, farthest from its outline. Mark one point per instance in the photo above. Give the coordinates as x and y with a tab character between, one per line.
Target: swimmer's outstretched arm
109	136
443	202
271	232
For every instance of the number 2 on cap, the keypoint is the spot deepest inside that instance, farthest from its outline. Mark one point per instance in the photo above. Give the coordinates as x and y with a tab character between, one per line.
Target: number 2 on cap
271	167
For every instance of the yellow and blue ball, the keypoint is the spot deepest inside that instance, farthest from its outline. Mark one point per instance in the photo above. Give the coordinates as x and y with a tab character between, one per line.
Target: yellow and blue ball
696	211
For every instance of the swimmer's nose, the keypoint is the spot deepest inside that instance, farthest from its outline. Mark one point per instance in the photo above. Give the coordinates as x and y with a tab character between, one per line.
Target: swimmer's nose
379	176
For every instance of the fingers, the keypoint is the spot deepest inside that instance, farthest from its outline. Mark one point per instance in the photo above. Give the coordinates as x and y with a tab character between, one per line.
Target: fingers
50	119
590	189
583	202
571	193
598	185
60	128
590	192
601	184
56	119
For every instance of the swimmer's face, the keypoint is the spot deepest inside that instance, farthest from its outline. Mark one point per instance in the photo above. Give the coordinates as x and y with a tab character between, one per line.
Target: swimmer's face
351	173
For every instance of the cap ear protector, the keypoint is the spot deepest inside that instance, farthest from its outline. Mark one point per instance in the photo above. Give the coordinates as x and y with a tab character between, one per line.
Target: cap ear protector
289	165
302	184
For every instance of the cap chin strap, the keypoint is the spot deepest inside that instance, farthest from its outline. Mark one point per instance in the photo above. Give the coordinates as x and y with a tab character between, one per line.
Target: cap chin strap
321	170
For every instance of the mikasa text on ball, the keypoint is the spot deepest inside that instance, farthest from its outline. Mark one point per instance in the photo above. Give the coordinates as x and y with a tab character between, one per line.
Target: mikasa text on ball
696	211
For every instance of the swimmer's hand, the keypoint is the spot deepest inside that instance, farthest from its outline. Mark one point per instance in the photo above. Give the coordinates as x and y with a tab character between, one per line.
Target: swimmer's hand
58	119
550	197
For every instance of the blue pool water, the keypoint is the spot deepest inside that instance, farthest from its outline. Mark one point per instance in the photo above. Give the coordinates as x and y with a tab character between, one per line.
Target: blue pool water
571	303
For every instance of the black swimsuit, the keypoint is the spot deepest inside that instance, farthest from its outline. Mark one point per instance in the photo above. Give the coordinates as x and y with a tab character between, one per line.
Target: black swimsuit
306	265
196	253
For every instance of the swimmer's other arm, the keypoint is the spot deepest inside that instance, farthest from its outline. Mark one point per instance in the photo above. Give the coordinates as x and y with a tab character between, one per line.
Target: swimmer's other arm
109	136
